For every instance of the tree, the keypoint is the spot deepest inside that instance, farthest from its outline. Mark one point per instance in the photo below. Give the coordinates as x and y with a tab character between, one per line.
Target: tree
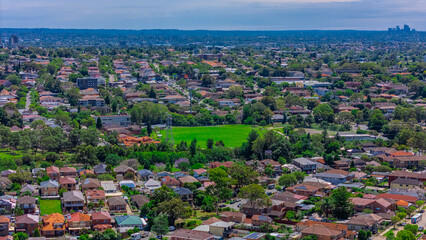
193	147
395	220
325	206
162	194
20	236
364	235
323	112
255	195
36	233
86	154
149	128
99	123
342	208
242	175
21	176
174	209
412	228
405	235
222	188
161	225
287	180
210	143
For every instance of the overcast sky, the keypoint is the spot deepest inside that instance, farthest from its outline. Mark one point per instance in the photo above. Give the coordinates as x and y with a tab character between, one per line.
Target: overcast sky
213	14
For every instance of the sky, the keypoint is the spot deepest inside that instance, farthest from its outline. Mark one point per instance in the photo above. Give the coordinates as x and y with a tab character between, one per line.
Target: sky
214	14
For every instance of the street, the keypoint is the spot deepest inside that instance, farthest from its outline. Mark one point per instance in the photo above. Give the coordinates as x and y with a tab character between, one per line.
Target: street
422	223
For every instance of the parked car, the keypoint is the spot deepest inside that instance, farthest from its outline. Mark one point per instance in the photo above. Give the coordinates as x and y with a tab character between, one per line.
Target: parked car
232	202
222	205
271	186
172	228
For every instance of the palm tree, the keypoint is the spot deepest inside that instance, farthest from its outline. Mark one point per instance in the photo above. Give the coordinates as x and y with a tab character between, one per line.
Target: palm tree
325	206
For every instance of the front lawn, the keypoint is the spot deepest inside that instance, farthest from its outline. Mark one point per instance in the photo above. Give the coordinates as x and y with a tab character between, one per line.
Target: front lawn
50	206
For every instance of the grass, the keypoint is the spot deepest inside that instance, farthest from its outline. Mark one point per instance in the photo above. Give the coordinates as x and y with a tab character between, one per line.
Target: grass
50	206
231	135
6	153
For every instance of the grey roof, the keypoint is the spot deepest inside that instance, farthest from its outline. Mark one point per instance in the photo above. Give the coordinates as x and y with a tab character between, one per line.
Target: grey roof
183	191
329	175
73	196
123	168
100	168
108	186
407	181
26	200
304	161
29	188
49	183
145	173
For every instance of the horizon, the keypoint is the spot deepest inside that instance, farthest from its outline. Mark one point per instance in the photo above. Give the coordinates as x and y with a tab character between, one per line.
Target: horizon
212	30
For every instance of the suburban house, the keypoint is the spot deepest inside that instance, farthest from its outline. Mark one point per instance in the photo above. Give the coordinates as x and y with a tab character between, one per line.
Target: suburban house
117	204
109	187
73	200
368	222
237	217
145	174
90	183
33	189
101	221
78	221
115	120
186	234
27	223
139	200
185	194
310	189
129	221
305	164
124	172
221	229
53	173
200	172
53	225
333	176
405	183
380	205
27	204
68	172
4	226
323	233
95	196
258	220
68	183
169	181
152	184
187	179
100	169
49	188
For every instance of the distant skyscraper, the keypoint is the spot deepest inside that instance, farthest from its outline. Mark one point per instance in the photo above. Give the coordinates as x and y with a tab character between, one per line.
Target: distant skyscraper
406	28
424	58
13	40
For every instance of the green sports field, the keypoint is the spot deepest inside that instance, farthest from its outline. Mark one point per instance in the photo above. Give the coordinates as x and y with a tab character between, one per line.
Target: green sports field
231	135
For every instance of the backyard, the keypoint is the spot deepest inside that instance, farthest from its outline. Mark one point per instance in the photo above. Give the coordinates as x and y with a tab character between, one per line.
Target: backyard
50	206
